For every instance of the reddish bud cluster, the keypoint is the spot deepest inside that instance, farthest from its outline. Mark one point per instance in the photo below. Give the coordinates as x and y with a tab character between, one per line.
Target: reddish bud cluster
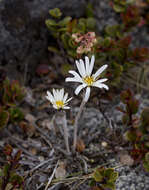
85	41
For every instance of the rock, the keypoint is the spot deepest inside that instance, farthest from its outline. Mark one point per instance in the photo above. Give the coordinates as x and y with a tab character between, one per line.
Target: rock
24	36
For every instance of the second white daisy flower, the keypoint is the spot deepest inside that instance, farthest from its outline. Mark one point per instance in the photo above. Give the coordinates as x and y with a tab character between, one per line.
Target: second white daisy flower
59	100
86	78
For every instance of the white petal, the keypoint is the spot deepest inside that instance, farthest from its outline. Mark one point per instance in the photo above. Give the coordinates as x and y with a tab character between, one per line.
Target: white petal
65	97
87	94
54	106
61	94
87	65
76	75
91	64
68	100
55	94
58	93
82	66
79	68
79	88
98	84
50	97
66	107
68	79
99	71
102	80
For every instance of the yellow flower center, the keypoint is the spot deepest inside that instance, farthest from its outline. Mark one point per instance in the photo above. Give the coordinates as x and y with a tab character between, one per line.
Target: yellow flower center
59	104
88	80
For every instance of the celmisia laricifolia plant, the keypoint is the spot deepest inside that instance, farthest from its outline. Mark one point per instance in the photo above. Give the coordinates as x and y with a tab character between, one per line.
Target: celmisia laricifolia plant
60	100
87	80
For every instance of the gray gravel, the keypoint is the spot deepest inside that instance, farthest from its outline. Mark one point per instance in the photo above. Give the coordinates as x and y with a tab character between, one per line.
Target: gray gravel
130	177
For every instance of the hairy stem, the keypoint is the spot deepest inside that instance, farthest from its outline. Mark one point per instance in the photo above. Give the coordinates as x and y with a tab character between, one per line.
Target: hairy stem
65	128
76	124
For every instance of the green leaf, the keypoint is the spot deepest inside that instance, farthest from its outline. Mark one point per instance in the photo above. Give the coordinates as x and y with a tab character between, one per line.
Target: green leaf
15	178
4	118
118	8
111	175
90	23
64	38
145	116
146	166
65	21
1	173
130	136
16	114
71	43
125	119
6	169
56	13
147	157
97	176
50	23
72	53
107	42
109	186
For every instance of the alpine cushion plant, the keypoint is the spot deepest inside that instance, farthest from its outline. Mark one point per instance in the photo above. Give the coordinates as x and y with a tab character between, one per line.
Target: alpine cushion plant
87	80
60	100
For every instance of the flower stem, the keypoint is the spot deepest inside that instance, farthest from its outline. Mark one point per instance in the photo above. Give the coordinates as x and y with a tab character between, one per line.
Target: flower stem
76	124
65	128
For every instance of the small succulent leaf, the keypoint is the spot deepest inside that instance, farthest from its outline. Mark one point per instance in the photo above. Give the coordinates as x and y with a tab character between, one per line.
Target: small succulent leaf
6	169
1	173
97	176
90	23
65	21
130	136
64	38
56	13
49	23
125	119
16	114
92	182
108	172
147	157
146	166
109	185
118	8
15	178
4	118
113	177
8	150
145	116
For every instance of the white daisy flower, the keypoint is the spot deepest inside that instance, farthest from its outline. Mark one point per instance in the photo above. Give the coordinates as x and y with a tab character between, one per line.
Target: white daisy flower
86	78
58	99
